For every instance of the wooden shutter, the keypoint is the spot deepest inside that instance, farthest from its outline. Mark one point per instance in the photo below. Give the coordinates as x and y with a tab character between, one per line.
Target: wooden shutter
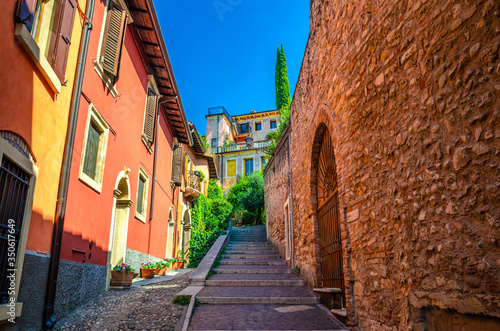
231	168
149	125
113	38
25	12
61	39
177	165
91	150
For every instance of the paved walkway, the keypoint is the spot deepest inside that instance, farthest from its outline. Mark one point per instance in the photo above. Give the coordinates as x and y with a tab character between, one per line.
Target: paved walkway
254	289
146	306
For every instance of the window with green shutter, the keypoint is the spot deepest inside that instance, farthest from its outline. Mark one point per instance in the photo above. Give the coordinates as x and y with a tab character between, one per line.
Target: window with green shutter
91	151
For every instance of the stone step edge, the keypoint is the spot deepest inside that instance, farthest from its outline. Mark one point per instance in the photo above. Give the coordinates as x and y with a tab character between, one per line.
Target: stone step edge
278	283
259	300
254	271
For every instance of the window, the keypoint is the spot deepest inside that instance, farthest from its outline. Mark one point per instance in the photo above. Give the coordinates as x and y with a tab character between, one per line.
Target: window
214	142
109	52
231	168
248	166
258	126
142	195
264	161
44	30
244	128
94	150
273	124
177	165
150	119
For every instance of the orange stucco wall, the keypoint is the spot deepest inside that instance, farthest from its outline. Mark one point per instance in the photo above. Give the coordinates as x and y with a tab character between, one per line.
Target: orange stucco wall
29	108
89	213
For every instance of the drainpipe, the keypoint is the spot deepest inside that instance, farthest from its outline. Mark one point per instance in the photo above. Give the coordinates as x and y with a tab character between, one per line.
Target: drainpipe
290	204
55	255
154	170
349	265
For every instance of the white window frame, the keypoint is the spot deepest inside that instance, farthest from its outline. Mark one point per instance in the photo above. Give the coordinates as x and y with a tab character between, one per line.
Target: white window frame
96	118
142	216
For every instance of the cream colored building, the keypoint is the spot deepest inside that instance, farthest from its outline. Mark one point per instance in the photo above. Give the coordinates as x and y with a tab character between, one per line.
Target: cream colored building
239	142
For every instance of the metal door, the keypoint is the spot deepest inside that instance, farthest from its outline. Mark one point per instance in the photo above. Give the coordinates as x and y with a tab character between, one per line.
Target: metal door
14	184
328	218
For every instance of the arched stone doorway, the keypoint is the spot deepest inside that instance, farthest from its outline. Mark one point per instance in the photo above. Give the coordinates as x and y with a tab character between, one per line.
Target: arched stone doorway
186	233
170	234
325	189
120	224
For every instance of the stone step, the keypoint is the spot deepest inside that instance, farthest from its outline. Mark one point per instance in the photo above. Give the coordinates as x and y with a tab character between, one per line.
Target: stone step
251	256
291	295
255	280
252	262
263	317
241	245
253	269
252	251
249	240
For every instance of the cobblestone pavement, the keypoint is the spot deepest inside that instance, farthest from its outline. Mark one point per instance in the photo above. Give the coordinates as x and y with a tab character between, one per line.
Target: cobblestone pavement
145	308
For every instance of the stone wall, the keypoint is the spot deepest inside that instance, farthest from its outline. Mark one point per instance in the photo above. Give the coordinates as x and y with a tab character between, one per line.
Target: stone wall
276	193
409	92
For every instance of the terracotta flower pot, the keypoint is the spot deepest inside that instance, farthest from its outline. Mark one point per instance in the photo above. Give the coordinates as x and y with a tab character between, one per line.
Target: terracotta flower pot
121	278
162	271
147	273
181	264
175	265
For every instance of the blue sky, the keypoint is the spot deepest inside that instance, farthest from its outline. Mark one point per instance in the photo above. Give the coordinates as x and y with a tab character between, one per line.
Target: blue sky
223	52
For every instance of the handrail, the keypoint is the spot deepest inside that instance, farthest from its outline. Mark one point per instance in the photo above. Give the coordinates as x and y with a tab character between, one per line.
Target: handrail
243	146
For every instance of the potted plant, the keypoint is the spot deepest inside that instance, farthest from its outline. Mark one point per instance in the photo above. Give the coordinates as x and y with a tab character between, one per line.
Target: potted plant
122	275
148	270
162	267
174	261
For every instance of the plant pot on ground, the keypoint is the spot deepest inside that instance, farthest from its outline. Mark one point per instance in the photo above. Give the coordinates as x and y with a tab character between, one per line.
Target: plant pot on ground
162	267
122	275
148	270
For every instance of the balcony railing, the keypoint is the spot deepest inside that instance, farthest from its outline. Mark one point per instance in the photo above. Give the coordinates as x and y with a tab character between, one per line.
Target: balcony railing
243	147
193	185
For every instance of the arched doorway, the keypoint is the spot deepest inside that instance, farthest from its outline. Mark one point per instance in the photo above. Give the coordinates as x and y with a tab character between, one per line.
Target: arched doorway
330	240
170	234
186	233
120	223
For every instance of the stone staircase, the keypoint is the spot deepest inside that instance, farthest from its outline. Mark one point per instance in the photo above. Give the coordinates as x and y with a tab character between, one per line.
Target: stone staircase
254	289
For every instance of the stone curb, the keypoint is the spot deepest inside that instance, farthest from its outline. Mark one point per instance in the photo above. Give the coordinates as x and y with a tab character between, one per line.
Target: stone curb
200	274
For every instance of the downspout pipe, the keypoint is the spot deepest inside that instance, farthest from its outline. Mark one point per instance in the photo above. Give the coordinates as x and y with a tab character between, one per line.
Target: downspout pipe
55	255
349	265
290	204
154	170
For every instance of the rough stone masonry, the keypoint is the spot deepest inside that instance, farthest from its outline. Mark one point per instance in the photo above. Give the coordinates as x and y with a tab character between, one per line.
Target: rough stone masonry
410	93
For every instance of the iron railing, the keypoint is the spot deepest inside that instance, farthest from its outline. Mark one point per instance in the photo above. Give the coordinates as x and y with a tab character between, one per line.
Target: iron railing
193	181
219	111
259	144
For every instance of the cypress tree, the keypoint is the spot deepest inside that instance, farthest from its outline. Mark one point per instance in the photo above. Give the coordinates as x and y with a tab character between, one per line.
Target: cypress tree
284	85
281	81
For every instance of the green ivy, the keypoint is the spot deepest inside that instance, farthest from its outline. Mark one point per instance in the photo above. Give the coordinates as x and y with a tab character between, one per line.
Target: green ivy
209	219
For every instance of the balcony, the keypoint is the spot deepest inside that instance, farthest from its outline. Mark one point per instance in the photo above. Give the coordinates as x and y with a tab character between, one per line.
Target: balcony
242	147
193	185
